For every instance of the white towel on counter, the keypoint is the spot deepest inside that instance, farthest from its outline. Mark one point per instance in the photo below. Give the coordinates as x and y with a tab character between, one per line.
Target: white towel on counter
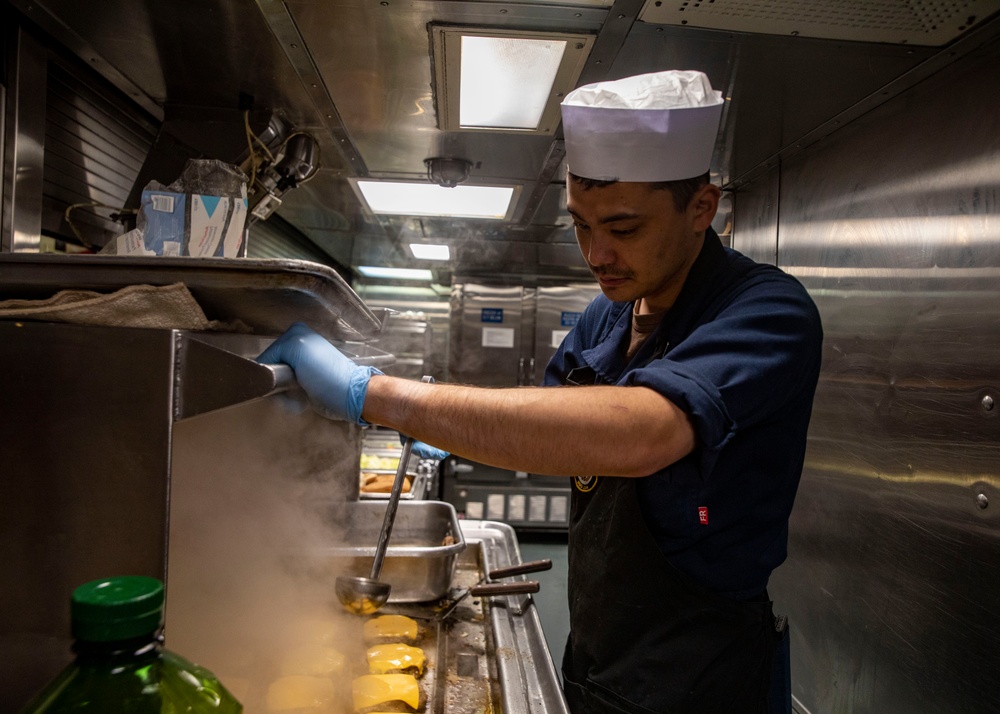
165	307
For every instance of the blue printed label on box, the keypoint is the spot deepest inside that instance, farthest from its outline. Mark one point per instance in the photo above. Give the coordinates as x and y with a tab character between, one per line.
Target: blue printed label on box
492	314
164	230
570	319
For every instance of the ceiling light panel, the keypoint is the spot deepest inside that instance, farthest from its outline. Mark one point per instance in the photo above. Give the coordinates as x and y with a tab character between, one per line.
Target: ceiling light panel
430	251
500	80
374	271
506	81
427	199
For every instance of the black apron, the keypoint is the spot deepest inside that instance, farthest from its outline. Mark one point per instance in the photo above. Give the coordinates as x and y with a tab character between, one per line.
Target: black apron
644	636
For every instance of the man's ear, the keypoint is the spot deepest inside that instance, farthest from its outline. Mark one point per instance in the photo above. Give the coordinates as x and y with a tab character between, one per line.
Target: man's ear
703	207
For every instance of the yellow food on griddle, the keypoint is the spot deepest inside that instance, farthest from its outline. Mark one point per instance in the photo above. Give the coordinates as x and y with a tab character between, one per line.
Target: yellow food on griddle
395	657
390	627
314	660
300	692
371	690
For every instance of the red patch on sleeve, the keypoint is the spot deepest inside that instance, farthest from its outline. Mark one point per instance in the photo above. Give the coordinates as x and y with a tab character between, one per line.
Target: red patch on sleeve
703	515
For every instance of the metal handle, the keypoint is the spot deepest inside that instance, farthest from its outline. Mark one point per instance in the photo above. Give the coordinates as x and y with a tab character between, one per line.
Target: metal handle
533	566
284	378
519	588
390	511
393	505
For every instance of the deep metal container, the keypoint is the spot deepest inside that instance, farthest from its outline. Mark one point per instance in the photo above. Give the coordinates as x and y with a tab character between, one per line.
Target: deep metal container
420	560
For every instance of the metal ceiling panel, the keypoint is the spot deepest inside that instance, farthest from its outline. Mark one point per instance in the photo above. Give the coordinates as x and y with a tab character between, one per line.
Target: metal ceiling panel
914	22
359	76
375	59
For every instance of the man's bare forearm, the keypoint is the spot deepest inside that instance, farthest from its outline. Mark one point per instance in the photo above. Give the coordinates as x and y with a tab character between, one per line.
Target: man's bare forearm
565	431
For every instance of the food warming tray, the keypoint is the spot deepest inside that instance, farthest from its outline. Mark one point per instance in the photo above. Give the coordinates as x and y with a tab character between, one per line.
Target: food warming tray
420	559
484	654
378	445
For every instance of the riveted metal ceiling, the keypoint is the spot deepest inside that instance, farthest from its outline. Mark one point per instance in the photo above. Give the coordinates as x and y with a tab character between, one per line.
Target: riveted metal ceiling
358	75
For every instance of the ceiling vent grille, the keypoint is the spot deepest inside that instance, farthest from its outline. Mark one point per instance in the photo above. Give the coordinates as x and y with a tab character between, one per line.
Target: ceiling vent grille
914	22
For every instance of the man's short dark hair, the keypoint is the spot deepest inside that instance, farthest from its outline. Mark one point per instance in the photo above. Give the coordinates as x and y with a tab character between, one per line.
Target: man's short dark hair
682	190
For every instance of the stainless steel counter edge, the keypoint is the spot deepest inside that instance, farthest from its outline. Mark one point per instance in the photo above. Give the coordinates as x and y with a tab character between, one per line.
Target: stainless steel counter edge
524	663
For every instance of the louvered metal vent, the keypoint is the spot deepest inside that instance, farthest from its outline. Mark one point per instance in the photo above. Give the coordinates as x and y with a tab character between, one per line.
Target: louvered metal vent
915	22
95	145
274	238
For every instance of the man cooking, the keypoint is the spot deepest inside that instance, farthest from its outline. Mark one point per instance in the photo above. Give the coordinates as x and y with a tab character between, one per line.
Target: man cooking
679	405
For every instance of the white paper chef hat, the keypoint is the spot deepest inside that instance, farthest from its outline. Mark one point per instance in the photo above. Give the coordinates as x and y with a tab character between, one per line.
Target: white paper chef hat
651	127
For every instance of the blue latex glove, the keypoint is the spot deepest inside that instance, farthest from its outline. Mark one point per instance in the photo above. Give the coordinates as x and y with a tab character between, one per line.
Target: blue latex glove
426	451
336	386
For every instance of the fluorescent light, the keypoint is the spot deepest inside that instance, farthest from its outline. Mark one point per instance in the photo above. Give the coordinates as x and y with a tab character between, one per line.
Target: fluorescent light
499	79
430	251
506	81
427	199
372	271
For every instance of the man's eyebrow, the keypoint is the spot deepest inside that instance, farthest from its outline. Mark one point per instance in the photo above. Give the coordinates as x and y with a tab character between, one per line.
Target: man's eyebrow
613	218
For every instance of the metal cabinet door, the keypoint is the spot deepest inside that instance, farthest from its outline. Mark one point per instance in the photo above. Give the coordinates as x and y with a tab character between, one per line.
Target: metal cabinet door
557	310
487	334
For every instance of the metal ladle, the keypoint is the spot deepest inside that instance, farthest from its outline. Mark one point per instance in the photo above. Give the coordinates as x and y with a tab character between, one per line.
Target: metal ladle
360	595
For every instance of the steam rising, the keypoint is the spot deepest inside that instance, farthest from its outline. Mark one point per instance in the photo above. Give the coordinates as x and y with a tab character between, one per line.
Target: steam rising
250	494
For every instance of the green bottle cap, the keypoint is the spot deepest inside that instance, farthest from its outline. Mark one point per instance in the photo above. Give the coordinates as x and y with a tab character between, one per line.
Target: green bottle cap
118	608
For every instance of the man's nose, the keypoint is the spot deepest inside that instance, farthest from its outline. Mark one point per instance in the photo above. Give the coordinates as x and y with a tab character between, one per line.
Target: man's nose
600	251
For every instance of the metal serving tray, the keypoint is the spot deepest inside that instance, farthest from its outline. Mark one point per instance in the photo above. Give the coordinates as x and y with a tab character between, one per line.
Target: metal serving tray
420	560
266	295
418	486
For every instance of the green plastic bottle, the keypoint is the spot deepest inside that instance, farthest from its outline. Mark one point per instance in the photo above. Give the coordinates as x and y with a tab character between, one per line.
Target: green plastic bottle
121	665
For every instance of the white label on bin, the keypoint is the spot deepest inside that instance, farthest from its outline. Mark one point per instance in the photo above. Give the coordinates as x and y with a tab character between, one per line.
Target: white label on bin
474	509
498	337
161	203
558	336
515	507
536	508
557	509
494	506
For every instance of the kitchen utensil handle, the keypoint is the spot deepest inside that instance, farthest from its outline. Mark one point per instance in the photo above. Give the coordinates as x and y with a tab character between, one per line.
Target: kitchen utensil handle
532	566
390	509
518	588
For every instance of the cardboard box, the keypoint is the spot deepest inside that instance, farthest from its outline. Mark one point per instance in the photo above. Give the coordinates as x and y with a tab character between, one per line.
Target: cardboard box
194	224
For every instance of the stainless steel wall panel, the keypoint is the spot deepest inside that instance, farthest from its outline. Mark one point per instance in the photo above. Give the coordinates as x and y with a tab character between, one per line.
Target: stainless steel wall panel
893	225
87	478
85	436
24	142
779	88
755	224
